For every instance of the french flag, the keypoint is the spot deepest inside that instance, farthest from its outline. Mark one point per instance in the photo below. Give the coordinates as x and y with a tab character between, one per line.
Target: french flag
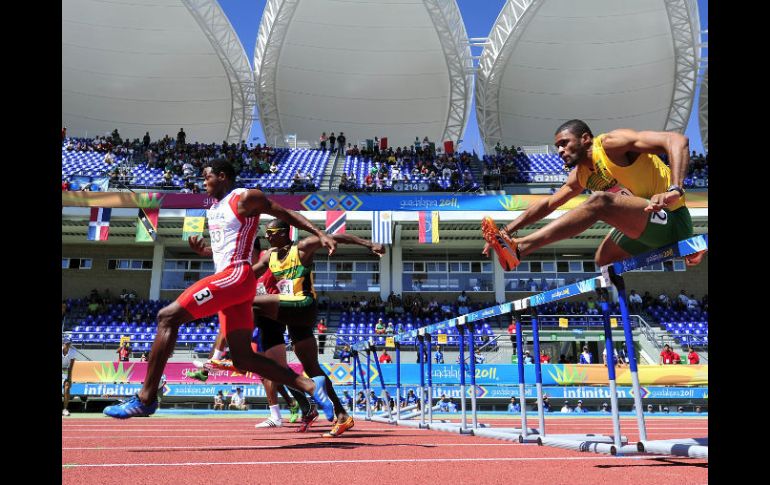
99	224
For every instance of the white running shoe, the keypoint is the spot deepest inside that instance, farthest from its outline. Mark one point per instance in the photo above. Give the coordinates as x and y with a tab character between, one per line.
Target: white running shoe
270	423
65	413
198	364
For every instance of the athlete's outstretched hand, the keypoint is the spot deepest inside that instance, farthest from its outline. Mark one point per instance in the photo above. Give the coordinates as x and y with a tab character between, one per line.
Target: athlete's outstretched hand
486	249
197	244
328	242
378	249
661	201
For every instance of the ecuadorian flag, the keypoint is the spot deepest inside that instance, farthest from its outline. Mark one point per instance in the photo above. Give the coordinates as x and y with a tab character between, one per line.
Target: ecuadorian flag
428	227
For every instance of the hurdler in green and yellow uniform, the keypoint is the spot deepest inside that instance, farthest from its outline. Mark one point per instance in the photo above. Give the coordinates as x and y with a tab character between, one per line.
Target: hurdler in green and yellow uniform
295	287
645	177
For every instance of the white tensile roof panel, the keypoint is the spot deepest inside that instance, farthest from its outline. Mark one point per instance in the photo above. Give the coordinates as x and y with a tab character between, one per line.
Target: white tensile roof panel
142	65
610	63
364	68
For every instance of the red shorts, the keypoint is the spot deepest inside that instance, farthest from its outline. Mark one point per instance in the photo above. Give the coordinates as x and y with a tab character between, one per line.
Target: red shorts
229	292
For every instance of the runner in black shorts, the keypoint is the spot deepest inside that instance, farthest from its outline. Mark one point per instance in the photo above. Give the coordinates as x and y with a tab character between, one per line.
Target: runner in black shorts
296	305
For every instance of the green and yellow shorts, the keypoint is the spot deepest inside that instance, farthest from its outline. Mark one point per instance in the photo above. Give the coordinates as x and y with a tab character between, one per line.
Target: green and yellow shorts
663	227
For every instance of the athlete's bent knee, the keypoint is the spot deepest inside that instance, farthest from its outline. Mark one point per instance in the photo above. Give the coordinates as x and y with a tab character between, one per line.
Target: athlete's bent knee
600	200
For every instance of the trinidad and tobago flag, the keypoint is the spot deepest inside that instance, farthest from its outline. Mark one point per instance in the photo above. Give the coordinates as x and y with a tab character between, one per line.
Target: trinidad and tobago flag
335	222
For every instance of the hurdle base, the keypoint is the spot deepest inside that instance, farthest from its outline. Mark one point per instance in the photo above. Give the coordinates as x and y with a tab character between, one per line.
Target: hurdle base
681	441
381	419
455	427
508	434
673	448
596	443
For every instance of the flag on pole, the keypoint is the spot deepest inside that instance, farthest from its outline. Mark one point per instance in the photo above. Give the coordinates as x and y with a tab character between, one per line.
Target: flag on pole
147	225
194	221
294	234
382	227
335	222
99	224
428	227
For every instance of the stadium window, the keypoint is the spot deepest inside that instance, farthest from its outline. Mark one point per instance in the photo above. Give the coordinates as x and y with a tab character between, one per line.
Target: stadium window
195	265
146	264
408	267
548	266
76	263
129	264
679	265
419	267
562	267
475	267
575	266
589	266
524	267
321	266
535	267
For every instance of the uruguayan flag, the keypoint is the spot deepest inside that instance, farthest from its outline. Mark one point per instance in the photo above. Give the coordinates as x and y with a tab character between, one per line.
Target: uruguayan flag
382	227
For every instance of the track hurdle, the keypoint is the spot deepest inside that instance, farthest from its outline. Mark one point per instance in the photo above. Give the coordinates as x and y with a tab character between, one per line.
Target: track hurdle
615	444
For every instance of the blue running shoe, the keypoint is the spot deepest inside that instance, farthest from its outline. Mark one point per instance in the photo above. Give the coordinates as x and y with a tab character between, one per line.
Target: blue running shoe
322	399
132	408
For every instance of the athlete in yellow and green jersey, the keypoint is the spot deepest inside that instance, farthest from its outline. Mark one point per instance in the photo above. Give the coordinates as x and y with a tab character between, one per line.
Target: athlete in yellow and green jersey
633	191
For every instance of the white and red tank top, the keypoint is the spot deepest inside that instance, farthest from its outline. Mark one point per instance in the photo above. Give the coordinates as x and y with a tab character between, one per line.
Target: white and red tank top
232	235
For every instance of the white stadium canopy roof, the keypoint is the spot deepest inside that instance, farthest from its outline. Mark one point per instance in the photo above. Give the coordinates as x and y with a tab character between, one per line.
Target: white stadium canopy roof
611	63
154	65
703	110
387	68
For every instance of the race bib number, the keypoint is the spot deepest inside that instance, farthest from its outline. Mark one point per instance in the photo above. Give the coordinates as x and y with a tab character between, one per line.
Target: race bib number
203	296
261	290
660	217
286	287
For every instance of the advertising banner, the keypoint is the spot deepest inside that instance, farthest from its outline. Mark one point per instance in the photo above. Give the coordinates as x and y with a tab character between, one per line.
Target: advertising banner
553	374
555	393
134	372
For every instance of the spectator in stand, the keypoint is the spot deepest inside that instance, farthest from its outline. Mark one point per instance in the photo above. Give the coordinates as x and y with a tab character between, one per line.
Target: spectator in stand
238	401
123	352
615	358
692	357
664	301
563	359
692	303
273	167
322	328
544	357
676	358
512	331
332	141
322	141
566	408
65	185
580	408
647	300
635	302
514	406
345	354
143	358
438	356
698	409
374	402
219	401
462	298
146	140
528	358
347	400
341	141
682	300
385	357
704	303
586	357
546	403
479	357
591	307
361	401
379	329
605	408
390	329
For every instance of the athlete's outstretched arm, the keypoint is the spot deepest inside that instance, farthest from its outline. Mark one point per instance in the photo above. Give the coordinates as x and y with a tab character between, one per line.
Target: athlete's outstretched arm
676	146
309	245
255	202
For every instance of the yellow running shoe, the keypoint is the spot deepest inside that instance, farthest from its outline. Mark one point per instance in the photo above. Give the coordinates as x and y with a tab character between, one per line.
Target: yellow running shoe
340	428
504	246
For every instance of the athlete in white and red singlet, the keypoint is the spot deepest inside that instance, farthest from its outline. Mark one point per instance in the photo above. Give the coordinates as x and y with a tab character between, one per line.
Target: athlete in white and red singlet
233	221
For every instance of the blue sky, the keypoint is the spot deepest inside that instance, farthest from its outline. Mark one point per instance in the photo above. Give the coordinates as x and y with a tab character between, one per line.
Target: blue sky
478	15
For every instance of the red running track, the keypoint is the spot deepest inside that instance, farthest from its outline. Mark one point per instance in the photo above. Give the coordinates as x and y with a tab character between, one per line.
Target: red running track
189	451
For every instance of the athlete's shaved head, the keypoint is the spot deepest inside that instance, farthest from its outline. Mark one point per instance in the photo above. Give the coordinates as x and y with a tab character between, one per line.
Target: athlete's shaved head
576	127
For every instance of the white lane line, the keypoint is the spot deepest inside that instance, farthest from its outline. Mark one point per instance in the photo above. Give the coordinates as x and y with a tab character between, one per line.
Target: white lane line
332	462
256	435
255	447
